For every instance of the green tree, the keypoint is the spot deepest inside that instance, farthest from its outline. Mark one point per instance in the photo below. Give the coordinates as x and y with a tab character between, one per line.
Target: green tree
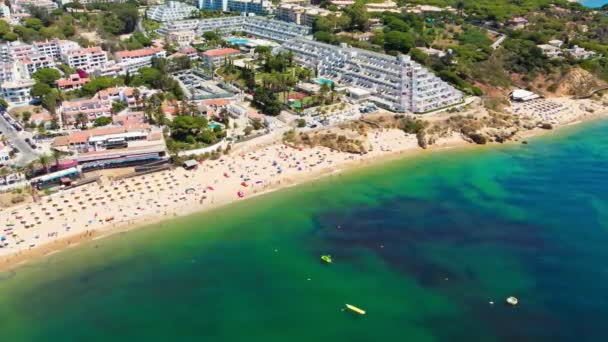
34	23
44	161
47	75
49	101
40	89
56	154
117	106
358	16
81	120
102	121
10	36
399	41
25	116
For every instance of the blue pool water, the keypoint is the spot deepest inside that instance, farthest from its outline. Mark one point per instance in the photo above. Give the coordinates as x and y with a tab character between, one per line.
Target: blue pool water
594	3
324	81
238	41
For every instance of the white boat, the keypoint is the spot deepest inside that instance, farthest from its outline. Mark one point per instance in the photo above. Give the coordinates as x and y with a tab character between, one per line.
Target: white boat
512	300
355	309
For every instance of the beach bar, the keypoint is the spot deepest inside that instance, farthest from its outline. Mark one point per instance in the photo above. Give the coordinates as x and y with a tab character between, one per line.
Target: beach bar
55	177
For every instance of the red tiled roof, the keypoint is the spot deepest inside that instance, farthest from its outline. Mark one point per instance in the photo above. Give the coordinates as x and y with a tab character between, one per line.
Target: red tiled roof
216	102
83	136
175	55
138	53
188	49
94	49
221	52
68	82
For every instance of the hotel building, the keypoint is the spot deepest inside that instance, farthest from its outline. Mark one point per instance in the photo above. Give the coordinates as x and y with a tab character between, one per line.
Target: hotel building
396	83
171	11
240	6
56	47
87	59
262	27
213	58
114	146
17	92
91	109
301	15
145	55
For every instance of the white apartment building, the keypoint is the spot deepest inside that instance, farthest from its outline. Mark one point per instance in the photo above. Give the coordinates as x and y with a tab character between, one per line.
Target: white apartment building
17	92
177	26
550	51
5	11
56	47
181	38
132	66
171	11
240	6
301	15
87	59
396	83
258	26
15	50
386	6
12	71
48	5
144	54
578	52
132	61
35	62
7	71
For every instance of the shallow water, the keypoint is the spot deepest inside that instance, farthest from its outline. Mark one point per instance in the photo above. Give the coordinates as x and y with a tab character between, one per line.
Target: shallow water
422	244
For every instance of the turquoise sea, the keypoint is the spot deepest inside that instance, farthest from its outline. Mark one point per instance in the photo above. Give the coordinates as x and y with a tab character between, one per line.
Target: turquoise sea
594	3
422	244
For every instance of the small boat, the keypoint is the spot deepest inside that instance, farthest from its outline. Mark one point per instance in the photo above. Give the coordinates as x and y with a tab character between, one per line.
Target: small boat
355	309
512	300
326	258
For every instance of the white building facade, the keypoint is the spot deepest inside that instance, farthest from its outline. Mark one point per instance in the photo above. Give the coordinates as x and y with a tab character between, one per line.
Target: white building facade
396	83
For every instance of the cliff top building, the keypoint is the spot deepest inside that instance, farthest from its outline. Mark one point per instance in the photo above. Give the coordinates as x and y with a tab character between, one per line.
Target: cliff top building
170	11
395	83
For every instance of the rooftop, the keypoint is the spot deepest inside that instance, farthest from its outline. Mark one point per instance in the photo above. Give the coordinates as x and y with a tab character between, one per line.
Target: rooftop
138	53
221	52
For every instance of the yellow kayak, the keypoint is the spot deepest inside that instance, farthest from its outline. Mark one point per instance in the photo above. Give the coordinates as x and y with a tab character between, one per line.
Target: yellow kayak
355	309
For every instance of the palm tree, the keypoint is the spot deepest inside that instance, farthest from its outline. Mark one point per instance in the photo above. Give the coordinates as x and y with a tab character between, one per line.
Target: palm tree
3	173
43	160
136	95
56	154
81	120
324	90
460	7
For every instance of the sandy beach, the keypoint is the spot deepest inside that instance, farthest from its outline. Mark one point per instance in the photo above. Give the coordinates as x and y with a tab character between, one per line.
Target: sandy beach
93	211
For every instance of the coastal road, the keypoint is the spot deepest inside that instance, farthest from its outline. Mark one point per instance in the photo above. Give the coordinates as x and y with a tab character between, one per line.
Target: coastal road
27	154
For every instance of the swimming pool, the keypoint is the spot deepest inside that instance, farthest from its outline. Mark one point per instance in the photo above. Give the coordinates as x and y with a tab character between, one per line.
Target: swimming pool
238	41
212	125
324	81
